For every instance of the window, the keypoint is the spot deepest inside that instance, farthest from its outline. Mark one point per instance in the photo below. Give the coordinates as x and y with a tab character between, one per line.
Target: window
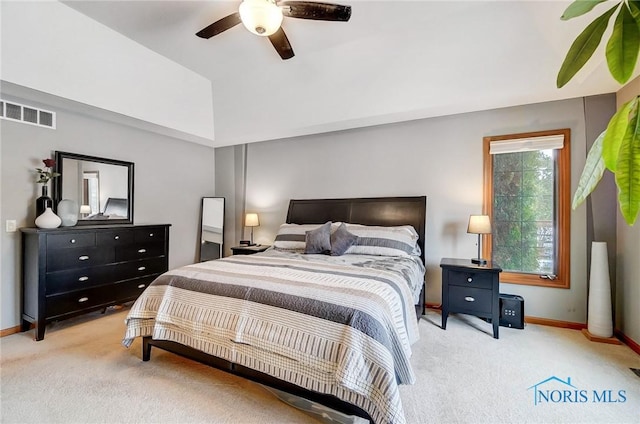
527	193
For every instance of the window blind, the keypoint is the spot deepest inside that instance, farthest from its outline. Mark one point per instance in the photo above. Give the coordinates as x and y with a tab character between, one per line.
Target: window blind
526	144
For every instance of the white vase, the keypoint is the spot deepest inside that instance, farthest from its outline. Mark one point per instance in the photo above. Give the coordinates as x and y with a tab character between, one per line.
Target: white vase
68	211
48	219
599	319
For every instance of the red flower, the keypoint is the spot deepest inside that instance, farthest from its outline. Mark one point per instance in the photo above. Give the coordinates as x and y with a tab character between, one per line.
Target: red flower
45	175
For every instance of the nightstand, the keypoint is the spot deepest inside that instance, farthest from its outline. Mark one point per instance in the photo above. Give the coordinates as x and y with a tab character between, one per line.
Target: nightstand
471	289
249	250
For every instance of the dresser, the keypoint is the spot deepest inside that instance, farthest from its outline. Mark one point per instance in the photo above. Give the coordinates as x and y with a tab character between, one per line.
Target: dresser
73	270
471	289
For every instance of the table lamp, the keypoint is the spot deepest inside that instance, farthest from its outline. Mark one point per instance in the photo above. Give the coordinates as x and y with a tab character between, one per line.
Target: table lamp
479	224
251	220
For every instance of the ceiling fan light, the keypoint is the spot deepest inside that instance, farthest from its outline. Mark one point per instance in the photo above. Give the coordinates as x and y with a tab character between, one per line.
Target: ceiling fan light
261	17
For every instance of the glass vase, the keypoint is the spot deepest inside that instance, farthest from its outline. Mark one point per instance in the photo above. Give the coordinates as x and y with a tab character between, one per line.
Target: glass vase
44	201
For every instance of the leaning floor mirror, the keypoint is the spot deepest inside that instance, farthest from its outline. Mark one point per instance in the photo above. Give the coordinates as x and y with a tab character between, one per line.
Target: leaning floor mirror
211	228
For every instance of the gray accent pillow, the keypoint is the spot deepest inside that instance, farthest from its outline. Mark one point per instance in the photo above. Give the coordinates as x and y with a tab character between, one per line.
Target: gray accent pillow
342	240
318	240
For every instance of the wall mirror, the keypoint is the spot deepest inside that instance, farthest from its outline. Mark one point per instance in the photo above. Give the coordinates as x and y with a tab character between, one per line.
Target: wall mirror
211	228
102	188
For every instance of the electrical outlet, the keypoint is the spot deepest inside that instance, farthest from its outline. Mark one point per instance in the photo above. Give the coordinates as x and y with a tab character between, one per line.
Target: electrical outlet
11	226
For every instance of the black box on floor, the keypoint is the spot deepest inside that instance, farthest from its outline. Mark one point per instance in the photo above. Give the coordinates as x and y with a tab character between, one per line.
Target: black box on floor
511	311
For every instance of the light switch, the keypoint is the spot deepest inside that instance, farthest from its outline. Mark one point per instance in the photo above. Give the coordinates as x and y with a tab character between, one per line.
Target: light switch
11	226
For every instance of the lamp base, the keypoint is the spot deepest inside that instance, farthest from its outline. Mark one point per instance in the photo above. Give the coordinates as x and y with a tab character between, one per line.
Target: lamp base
479	261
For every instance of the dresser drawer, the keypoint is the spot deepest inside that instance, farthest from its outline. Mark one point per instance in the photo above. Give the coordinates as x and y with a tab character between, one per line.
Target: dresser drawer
140	251
141	268
117	237
78	300
483	280
125	291
149	234
469	300
130	290
83	257
78	279
70	240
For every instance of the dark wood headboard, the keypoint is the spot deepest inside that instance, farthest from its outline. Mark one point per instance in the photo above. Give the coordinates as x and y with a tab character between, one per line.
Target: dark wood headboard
383	211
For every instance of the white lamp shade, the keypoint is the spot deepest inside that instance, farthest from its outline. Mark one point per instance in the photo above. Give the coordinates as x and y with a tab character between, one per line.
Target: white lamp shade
85	209
479	224
251	220
261	17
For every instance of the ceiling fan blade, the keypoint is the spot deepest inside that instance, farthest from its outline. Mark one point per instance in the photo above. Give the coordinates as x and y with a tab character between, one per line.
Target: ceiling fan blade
220	26
315	10
281	43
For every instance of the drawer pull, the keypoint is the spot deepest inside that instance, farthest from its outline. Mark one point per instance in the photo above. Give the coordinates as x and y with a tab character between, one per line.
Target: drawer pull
142	250
116	238
83	278
469	280
142	268
72	241
141	286
83	299
469	299
150	234
83	258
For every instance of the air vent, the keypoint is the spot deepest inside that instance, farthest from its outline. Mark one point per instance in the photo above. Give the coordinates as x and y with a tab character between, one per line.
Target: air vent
27	114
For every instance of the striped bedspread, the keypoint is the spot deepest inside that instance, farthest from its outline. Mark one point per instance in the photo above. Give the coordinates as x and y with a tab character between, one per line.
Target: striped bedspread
337	328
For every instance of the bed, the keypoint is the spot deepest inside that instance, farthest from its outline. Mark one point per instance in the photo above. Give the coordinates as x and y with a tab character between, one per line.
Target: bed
335	331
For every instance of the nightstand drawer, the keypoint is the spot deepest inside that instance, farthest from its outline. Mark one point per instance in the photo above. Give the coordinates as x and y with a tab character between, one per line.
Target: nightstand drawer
482	280
470	300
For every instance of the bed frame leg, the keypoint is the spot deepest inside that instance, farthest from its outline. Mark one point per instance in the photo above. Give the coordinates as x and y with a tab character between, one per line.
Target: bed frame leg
146	348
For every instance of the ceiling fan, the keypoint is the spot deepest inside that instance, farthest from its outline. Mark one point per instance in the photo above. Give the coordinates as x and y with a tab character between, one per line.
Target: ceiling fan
264	18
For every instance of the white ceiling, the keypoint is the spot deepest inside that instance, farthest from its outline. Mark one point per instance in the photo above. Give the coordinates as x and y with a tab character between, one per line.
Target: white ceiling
393	61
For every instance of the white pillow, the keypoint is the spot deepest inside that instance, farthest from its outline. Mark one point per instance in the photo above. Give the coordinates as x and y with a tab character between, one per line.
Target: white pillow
384	241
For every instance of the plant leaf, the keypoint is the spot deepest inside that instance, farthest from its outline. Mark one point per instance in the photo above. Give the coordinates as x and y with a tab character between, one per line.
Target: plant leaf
628	173
634	6
583	47
615	133
578	8
592	172
623	46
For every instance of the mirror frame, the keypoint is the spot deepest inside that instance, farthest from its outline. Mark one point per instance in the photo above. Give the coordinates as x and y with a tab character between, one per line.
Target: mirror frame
224	201
57	186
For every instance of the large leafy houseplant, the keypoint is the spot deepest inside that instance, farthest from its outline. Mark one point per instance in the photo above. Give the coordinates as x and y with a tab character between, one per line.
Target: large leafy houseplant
618	147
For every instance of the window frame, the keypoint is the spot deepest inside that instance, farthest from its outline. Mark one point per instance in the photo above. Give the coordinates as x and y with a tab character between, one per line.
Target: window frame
563	210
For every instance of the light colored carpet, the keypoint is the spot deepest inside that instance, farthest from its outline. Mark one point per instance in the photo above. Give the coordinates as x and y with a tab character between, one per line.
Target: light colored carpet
81	374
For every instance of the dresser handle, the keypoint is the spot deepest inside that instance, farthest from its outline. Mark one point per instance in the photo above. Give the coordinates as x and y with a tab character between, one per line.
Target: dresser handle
141	286
469	280
116	238
150	234
83	278
83	299
72	241
142	268
83	258
142	250
469	299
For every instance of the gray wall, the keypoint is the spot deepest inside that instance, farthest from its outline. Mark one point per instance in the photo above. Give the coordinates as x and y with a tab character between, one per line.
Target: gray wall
171	176
438	157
